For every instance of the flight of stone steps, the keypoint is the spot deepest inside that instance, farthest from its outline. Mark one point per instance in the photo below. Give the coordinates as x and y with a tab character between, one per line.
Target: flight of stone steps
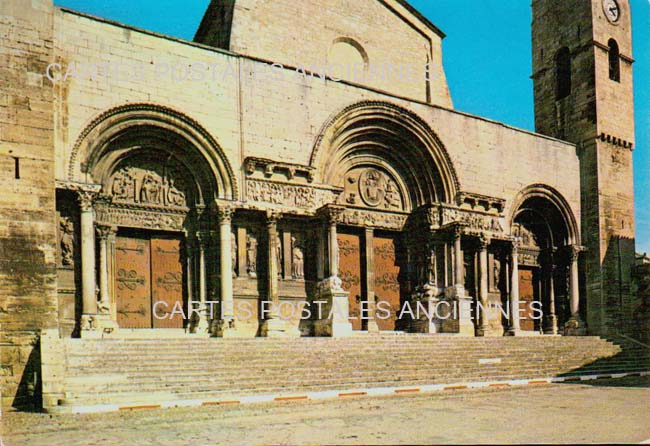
140	371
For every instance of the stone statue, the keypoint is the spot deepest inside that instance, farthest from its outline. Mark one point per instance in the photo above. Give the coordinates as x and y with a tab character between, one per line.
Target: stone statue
150	191
174	196
278	254
67	241
251	255
497	274
297	261
233	255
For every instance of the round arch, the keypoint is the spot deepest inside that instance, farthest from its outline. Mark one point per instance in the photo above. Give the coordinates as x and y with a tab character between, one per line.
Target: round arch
551	210
112	134
393	136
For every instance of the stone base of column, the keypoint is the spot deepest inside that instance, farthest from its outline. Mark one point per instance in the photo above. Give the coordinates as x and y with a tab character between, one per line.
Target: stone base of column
335	312
97	326
424	305
550	324
278	328
460	320
575	327
513	332
224	328
201	324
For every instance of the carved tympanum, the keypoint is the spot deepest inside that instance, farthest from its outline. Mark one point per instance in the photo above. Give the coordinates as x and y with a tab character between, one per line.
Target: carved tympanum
148	182
373	188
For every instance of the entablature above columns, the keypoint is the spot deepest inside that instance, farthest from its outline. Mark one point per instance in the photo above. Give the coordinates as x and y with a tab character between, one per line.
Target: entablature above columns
277	170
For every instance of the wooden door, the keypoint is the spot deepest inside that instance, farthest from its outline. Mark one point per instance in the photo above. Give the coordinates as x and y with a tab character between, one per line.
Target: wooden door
387	287
350	273
167	282
149	270
526	296
133	282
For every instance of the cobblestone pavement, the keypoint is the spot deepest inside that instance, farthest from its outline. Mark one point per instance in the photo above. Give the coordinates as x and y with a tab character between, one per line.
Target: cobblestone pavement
612	411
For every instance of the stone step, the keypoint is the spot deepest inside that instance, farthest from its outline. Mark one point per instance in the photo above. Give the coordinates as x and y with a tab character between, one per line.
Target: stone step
110	371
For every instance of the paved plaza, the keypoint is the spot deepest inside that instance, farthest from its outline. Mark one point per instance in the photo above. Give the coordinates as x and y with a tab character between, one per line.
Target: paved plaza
605	411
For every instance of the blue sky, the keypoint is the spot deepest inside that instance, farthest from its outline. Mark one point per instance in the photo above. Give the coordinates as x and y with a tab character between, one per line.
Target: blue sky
487	59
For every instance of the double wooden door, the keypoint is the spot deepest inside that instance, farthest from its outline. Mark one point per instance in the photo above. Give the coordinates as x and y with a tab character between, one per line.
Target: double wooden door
148	278
353	265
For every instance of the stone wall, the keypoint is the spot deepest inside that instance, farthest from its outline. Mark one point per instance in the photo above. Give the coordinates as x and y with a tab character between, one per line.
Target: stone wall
28	299
321	32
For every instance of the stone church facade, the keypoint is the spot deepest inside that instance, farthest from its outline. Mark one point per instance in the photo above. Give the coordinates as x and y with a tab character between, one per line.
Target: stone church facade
227	187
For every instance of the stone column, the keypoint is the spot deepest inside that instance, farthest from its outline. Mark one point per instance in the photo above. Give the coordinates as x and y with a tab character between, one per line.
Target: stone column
273	325
88	283
104	320
330	290
190	268
458	259
332	249
551	317
483	287
515	327
203	325
575	326
371	305
226	325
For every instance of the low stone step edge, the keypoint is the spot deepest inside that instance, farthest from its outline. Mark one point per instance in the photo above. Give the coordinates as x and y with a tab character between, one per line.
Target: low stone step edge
328	394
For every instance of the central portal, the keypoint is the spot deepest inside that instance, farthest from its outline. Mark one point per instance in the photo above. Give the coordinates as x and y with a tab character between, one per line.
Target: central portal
148	278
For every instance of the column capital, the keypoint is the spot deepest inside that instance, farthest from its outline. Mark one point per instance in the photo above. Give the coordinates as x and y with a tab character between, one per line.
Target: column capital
574	252
483	242
331	213
105	231
272	217
457	232
86	199
203	238
515	243
225	213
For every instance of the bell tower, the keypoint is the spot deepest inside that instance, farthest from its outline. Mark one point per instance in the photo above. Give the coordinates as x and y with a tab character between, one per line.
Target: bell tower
582	73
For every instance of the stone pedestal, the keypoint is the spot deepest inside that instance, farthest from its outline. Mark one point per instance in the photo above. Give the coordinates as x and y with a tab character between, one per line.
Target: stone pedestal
460	321
335	309
278	328
426	310
224	328
575	327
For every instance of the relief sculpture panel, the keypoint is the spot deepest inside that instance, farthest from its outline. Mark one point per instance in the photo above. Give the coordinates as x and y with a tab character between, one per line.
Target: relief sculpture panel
282	194
372	188
147	182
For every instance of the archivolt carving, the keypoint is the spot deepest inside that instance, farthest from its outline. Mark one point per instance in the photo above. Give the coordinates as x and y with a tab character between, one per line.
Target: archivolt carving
93	140
395	134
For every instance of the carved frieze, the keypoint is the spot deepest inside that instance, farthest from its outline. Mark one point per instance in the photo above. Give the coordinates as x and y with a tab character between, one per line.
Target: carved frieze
473	220
381	220
290	195
140	218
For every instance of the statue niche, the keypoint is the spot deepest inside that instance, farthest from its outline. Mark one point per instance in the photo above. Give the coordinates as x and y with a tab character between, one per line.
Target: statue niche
149	183
372	188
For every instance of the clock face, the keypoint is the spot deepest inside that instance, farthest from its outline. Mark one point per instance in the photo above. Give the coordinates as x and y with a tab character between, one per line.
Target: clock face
612	10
